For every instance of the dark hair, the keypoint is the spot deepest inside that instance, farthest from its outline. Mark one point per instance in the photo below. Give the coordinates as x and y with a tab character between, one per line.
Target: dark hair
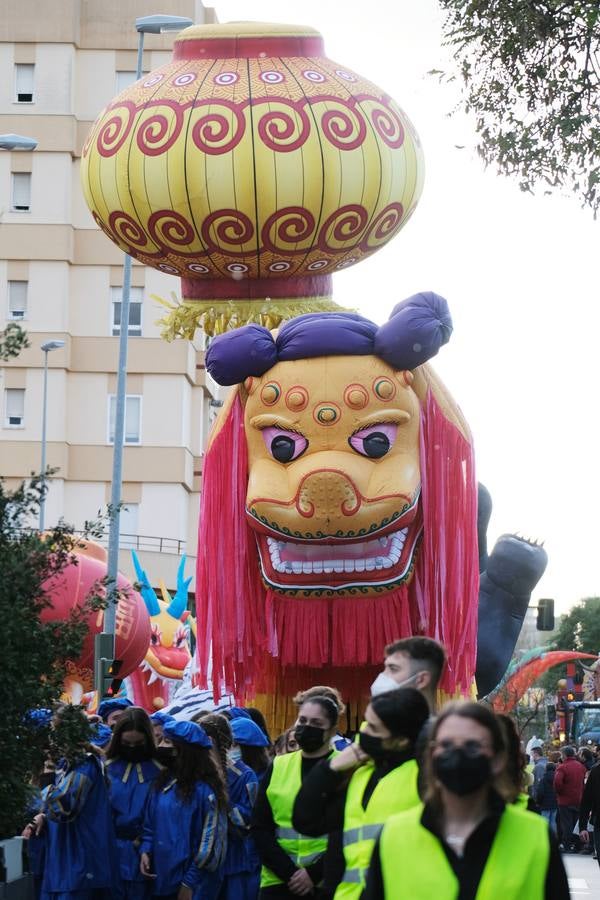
218	729
539	750
404	712
586	753
281	745
328	706
484	716
134	718
424	650
257	758
554	757
192	764
321	690
258	719
569	751
515	758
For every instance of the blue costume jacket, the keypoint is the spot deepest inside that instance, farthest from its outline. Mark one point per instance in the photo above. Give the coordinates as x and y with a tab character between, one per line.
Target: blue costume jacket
184	838
242	787
80	832
129	787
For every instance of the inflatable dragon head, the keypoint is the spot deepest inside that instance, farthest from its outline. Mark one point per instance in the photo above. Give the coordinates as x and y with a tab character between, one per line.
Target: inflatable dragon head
339	502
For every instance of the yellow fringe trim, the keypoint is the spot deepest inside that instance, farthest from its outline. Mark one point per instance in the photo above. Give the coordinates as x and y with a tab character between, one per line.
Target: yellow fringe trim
217	316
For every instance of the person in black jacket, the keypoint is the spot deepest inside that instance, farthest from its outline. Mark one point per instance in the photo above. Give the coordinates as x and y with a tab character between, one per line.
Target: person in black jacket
544	793
590	809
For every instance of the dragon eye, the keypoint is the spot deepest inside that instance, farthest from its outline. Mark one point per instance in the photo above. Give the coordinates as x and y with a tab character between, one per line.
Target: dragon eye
374	441
284	446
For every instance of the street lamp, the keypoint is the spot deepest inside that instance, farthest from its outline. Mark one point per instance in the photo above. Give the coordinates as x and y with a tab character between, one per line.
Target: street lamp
47	348
156	24
17	142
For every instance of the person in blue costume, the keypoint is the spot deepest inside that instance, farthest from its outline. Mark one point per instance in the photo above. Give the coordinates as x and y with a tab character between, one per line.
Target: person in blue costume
253	747
185	827
131	768
33	833
101	735
110	710
76	816
241	872
158	719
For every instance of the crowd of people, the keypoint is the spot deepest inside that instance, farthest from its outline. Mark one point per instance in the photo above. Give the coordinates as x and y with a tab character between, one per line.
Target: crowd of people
420	803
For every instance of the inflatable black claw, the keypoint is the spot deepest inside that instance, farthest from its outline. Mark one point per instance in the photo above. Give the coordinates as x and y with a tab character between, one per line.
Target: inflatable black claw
507	578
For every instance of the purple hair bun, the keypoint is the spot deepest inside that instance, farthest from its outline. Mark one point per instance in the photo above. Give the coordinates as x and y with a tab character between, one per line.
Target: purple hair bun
416	330
234	356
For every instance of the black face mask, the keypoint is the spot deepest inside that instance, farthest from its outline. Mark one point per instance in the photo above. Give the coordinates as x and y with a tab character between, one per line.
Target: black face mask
134	754
372	746
166	756
461	773
309	737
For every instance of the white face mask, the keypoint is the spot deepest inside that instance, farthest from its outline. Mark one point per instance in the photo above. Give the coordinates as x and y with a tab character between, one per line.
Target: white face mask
384	683
234	754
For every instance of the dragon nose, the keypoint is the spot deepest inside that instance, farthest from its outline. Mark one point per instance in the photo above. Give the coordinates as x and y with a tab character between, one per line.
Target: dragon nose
326	494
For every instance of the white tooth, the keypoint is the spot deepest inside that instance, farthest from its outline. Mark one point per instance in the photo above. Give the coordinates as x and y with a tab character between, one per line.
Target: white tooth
393	558
369	564
318	567
359	565
383	541
275	555
271	541
348	565
387	562
288	567
280	567
328	566
297	567
307	568
153	677
338	565
379	562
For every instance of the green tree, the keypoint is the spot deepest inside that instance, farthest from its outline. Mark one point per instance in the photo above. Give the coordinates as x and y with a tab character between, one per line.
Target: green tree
530	75
579	629
33	653
12	340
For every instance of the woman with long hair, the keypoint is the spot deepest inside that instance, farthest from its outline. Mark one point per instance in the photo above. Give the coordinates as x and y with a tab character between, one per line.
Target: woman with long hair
467	841
292	862
131	768
76	815
352	794
241	870
185	828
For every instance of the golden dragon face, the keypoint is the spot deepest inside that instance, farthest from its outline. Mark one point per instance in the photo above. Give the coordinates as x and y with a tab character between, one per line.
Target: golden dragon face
334	477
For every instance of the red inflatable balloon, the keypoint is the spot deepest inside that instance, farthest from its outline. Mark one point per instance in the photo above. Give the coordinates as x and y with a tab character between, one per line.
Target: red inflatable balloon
69	590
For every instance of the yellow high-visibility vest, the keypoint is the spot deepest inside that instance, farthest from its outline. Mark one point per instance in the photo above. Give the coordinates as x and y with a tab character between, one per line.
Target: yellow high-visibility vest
286	780
414	865
395	792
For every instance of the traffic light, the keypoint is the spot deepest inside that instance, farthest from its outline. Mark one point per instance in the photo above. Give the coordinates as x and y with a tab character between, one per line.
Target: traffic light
545	615
107	682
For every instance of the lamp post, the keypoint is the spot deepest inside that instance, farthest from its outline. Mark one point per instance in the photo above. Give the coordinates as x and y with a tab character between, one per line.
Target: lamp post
47	348
17	142
157	24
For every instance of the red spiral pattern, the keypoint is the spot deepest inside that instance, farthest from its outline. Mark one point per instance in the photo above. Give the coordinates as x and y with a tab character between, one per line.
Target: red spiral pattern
289	225
151	136
345	127
279	130
389	127
127	231
228	227
383	226
209	133
115	131
170	229
346	224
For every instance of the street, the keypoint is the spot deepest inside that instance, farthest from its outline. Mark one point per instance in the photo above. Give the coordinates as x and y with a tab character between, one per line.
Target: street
584	876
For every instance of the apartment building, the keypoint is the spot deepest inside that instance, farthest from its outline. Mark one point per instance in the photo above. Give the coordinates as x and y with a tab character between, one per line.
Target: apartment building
61	61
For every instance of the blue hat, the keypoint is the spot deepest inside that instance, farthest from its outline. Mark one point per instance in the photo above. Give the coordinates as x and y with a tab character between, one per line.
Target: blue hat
159	717
245	731
188	732
101	735
110	706
237	712
40	718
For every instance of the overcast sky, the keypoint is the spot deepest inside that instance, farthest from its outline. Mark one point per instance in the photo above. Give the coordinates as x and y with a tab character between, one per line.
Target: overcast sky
520	274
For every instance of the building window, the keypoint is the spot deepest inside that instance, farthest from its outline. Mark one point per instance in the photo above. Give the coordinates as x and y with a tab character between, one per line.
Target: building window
128	526
124	80
17	299
136	296
14	407
24	73
21	191
133	418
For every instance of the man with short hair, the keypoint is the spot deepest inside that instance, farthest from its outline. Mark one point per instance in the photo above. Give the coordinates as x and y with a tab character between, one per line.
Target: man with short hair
412	662
568	785
540	761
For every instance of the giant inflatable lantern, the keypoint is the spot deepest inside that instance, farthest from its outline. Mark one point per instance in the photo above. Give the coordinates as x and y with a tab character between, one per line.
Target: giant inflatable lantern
253	167
339	506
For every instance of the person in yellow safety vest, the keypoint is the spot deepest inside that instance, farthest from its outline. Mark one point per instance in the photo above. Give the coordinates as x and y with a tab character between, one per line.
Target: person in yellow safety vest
292	862
356	791
466	842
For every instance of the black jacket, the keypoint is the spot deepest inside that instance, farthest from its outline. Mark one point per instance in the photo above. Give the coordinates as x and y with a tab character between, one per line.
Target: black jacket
545	796
590	802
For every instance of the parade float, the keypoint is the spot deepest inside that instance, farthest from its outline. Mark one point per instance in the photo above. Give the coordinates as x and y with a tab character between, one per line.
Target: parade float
339	503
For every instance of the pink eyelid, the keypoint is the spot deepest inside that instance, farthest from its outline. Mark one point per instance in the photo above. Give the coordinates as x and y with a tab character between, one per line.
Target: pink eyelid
388	428
300	442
